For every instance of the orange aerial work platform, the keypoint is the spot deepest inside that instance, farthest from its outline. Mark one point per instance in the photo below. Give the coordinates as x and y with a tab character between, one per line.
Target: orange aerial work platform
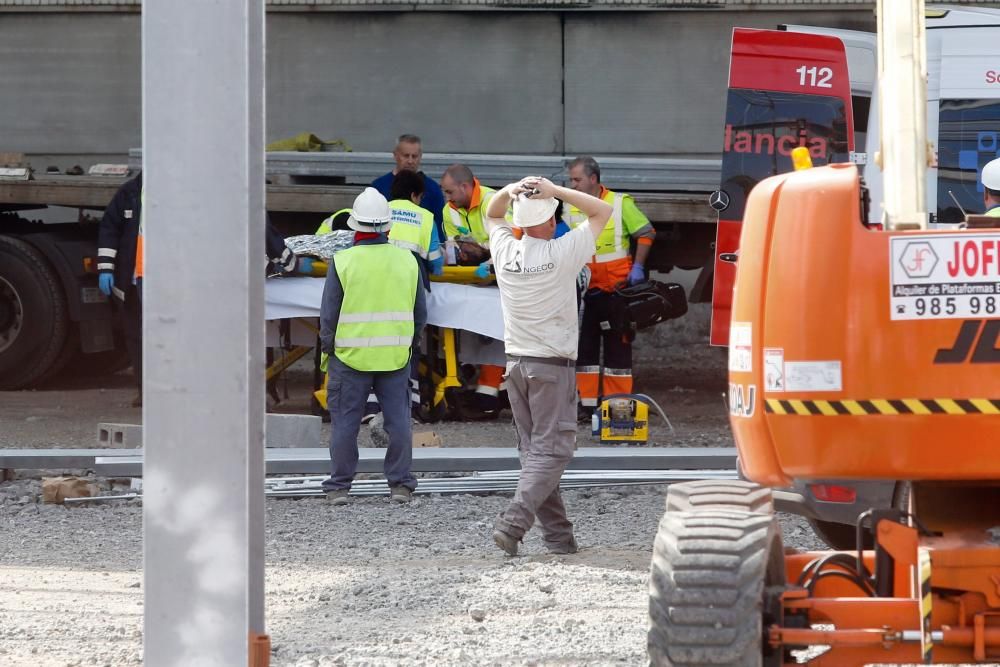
855	353
841	366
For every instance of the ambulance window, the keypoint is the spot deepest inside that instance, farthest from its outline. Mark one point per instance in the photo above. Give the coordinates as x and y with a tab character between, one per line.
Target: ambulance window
762	128
968	138
861	106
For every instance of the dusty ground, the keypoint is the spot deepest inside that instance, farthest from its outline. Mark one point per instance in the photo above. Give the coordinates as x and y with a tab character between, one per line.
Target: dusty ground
369	584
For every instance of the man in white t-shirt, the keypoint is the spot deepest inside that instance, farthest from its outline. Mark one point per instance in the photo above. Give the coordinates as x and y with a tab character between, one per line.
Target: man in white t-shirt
537	279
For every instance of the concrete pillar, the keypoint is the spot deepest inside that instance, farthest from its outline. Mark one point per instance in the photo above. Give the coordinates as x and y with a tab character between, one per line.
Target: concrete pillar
203	329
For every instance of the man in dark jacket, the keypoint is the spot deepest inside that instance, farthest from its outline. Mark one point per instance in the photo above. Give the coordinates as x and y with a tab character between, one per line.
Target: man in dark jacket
408	154
116	240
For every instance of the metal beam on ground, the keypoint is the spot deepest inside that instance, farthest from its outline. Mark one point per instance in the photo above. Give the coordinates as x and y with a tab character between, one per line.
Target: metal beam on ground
57	459
314	460
203	330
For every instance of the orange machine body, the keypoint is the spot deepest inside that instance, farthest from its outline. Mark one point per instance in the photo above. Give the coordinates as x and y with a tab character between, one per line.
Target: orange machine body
880	369
862	354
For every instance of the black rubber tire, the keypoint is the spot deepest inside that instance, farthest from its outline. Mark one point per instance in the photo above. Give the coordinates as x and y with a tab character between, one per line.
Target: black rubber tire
44	315
714	578
720	494
71	347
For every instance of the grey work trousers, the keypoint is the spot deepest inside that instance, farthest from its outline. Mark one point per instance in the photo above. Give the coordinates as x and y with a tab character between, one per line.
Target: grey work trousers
543	398
346	394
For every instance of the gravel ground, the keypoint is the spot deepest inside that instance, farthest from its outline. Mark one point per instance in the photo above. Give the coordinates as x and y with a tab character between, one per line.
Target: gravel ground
370	583
367	584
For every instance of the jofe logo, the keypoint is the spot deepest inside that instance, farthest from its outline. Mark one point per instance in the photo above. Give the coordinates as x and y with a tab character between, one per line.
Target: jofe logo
918	259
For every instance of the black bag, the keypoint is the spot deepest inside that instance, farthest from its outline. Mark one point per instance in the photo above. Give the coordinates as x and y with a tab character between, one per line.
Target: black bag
652	302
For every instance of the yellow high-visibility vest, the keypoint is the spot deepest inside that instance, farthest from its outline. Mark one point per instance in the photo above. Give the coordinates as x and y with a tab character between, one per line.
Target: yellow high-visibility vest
375	327
412	227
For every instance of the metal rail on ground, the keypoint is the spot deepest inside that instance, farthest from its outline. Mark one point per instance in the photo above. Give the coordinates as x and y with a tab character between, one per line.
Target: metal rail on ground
497	481
314	461
295	461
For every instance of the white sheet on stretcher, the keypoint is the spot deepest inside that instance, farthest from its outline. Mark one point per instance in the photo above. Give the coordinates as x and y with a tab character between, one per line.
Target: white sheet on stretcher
463	307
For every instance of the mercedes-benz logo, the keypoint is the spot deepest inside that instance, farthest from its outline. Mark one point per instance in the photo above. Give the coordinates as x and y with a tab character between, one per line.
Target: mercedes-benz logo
719	200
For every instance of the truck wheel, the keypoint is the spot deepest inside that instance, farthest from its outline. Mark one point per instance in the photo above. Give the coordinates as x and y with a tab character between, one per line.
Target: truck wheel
715	584
34	318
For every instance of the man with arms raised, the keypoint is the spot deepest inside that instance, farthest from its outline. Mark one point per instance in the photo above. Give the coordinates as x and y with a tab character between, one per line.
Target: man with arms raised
537	279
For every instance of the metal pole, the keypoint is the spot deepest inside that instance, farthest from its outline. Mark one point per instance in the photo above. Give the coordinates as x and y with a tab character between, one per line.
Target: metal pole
203	329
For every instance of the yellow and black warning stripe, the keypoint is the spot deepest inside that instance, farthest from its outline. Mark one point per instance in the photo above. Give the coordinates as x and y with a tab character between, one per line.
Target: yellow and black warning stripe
884	406
924	571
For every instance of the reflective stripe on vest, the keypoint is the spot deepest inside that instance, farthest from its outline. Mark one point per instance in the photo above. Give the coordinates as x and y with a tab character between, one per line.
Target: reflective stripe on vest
389	316
615	226
376	341
375	326
412	227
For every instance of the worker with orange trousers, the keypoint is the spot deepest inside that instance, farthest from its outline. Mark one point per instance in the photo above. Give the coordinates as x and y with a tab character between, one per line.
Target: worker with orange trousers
464	211
611	267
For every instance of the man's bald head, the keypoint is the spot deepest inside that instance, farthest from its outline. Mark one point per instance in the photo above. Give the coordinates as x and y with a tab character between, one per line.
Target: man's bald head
459	173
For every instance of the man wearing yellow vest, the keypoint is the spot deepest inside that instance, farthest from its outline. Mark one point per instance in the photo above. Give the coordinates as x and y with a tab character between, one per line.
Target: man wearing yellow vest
413	229
465	206
373	309
413	226
610	267
463	215
991	188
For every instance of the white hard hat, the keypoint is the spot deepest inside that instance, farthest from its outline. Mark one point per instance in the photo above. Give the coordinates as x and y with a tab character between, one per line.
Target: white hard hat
991	175
370	212
529	212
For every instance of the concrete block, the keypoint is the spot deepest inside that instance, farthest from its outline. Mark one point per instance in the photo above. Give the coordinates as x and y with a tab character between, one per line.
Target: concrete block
293	431
119	436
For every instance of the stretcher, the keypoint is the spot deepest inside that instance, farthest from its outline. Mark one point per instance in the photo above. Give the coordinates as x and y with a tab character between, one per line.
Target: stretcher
460	305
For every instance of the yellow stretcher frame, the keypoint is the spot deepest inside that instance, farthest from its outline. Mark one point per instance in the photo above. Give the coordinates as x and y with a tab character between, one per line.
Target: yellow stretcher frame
460	275
463	275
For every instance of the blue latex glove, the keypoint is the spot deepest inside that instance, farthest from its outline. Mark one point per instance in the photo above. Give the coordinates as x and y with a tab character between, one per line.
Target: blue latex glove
106	281
636	275
483	270
306	265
